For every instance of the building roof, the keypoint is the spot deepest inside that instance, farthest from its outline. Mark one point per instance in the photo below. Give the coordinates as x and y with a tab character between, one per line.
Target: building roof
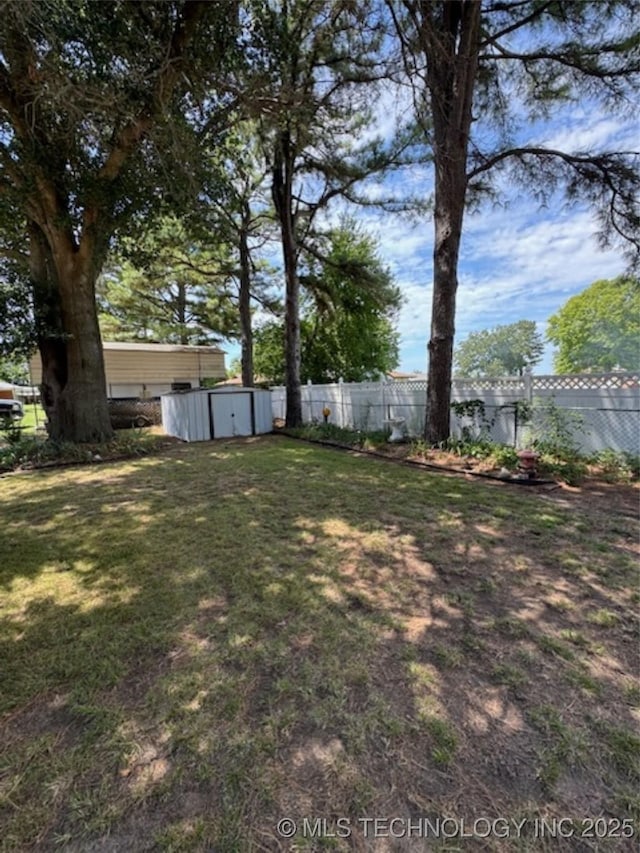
400	374
144	347
236	381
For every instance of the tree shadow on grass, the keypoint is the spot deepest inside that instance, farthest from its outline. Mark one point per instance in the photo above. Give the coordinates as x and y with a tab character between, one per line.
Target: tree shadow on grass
197	648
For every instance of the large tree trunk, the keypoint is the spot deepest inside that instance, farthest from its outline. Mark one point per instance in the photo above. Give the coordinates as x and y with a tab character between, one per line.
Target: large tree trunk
67	257
244	302
283	201
449	38
73	379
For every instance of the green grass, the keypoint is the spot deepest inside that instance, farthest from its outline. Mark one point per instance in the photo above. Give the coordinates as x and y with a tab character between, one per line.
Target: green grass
511	676
604	618
564	747
198	643
34	416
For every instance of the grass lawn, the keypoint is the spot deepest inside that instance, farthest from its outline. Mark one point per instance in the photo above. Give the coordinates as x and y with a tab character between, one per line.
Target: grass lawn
34	416
198	644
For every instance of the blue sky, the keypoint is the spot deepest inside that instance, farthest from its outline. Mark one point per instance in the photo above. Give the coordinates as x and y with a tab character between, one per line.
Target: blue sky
518	261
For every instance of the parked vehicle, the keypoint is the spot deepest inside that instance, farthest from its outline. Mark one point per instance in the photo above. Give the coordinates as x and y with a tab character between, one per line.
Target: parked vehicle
10	410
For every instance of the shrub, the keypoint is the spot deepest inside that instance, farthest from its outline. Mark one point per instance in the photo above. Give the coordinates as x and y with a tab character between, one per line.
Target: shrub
419	447
478	426
504	456
551	430
30	451
570	467
616	466
341	435
478	448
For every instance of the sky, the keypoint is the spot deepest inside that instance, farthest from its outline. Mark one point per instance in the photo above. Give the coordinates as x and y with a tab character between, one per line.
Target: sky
519	261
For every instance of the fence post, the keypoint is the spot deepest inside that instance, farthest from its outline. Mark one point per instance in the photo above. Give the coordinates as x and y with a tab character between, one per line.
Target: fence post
528	385
341	396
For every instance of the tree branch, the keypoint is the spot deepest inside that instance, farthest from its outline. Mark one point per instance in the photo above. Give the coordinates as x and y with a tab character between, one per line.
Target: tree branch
509	7
565	58
538	151
130	135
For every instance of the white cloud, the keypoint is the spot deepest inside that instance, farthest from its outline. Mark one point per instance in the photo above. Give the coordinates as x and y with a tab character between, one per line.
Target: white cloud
393	107
585	134
514	266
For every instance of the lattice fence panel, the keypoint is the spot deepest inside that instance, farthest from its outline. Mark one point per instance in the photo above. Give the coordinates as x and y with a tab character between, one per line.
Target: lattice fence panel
586	381
410	384
515	384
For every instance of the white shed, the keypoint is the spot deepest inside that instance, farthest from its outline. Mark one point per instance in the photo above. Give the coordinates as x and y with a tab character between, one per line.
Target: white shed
216	413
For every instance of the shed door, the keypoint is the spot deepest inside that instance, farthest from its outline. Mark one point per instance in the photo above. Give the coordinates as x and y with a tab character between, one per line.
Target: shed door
231	414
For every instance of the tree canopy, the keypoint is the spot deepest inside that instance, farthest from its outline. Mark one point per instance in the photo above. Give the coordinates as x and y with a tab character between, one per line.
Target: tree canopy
321	62
598	329
347	329
100	104
14	370
502	351
165	286
482	73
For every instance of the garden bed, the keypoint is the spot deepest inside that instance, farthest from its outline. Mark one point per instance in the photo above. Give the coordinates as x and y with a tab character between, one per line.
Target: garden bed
609	482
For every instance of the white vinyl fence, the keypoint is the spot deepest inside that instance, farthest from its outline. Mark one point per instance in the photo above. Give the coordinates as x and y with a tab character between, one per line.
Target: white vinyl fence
606	406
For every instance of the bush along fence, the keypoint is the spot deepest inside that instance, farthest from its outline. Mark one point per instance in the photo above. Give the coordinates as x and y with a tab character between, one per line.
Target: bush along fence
593	412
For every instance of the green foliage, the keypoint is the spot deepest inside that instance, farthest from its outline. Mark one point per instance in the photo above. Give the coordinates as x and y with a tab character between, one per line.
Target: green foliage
616	466
598	329
478	448
268	352
366	440
419	447
340	347
113	84
20	450
347	326
551	429
505	457
169	288
234	368
17	327
568	467
11	432
474	411
14	369
501	351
